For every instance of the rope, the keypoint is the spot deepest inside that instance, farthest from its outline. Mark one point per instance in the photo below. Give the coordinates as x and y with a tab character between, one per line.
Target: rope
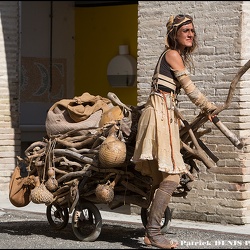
51	146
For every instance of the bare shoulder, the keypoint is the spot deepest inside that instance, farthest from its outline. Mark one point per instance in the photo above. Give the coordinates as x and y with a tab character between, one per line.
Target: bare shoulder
172	53
174	59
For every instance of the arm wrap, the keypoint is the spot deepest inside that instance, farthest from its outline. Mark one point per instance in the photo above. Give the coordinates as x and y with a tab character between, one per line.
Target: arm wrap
193	92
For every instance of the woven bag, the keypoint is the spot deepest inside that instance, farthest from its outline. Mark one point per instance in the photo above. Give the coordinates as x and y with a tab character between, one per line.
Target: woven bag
41	194
112	152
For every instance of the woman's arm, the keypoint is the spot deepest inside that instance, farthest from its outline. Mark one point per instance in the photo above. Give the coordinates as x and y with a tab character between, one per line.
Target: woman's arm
175	61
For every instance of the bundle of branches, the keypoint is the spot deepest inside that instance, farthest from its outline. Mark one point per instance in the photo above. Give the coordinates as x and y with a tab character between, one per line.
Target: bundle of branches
69	166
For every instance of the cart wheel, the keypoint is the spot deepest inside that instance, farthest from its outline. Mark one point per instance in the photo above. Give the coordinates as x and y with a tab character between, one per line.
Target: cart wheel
86	221
166	219
57	216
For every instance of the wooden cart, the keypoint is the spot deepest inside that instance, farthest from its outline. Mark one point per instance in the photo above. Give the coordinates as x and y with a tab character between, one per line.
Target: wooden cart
67	173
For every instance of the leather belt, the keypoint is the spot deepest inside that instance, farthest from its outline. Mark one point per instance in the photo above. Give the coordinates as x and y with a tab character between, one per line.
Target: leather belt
166	89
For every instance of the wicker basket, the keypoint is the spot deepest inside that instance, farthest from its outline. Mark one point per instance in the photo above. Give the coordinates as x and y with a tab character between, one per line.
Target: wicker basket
112	152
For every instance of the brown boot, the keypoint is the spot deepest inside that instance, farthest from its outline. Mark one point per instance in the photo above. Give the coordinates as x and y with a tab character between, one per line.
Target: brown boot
158	207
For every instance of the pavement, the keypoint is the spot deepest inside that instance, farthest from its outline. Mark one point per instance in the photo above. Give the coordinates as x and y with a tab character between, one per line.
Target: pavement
123	214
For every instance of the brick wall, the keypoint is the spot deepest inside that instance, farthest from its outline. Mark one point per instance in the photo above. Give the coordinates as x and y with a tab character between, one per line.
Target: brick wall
220	194
9	117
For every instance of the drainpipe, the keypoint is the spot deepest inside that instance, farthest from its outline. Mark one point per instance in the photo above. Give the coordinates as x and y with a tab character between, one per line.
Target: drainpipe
19	56
51	42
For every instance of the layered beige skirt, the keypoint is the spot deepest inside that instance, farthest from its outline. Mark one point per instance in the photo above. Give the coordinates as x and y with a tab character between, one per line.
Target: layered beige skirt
158	137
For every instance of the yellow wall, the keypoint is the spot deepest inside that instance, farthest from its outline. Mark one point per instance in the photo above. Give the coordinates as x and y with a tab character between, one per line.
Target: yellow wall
99	32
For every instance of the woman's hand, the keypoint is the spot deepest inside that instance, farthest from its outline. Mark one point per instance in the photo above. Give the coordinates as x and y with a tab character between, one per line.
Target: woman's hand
214	113
210	116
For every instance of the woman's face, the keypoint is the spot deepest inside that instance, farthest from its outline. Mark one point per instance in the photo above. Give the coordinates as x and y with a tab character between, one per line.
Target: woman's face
185	36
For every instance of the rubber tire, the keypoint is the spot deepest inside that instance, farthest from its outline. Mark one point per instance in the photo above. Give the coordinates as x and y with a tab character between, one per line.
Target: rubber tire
54	213
166	219
94	221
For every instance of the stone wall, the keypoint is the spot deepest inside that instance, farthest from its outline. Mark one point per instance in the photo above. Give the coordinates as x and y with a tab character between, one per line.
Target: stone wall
220	194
